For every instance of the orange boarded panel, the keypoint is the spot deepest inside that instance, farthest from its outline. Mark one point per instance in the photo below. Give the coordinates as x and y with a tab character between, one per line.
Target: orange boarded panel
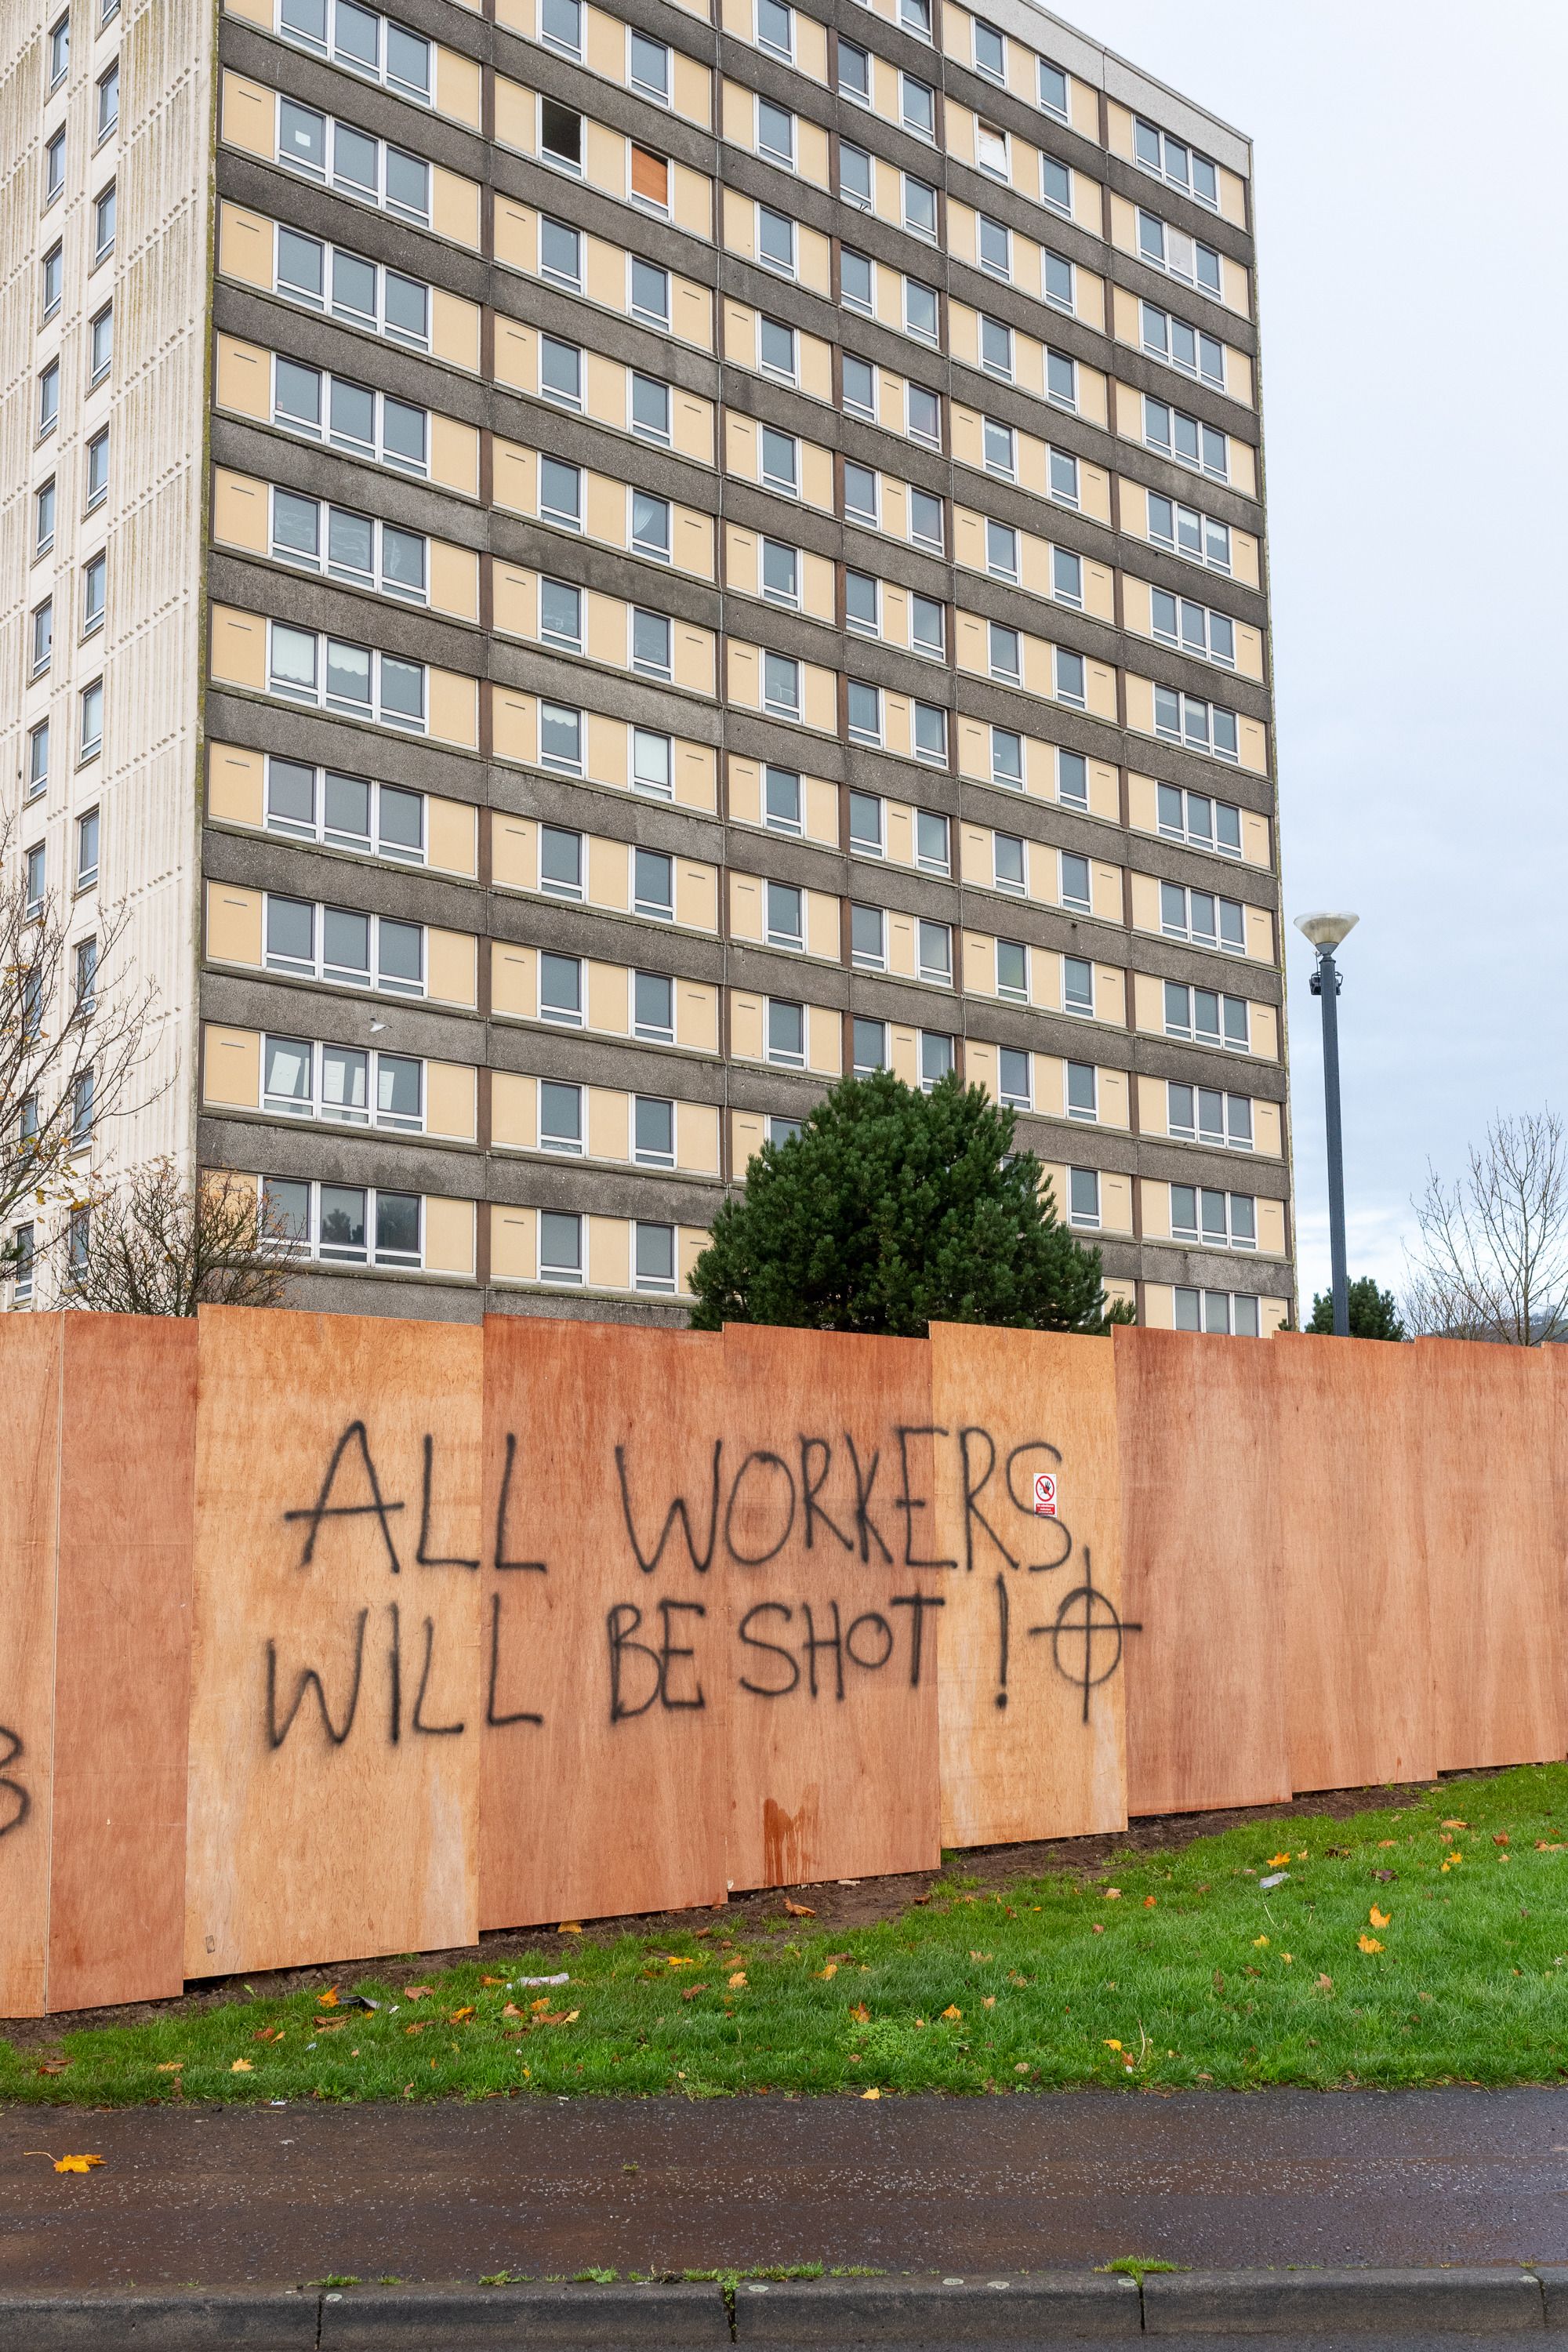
336	1687
30	1347
1484	1422
1358	1685
603	1787
1032	1739
122	1660
833	1587
1206	1723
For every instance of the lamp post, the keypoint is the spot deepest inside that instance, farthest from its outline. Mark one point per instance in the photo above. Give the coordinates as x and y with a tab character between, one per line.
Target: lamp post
1325	932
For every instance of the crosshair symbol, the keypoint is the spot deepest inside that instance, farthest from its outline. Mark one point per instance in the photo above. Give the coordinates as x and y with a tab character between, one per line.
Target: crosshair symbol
1086	1647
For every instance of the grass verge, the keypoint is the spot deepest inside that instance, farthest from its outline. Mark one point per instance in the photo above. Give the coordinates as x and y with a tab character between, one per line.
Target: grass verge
1424	1945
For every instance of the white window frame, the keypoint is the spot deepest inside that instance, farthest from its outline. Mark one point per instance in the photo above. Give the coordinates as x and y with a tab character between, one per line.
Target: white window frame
370	844
315	1109
376	452
323	304
420	94
1216	737
408	992
376	712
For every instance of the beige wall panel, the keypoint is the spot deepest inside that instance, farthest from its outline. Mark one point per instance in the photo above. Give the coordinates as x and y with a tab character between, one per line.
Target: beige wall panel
234	924
231	1066
607	998
513	725
696	895
824	1041
516	112
237	782
238	655
450	1097
449	1237
453	580
609	1253
696	1138
745	1025
454	209
609	1124
250	117
451	829
513	1257
454	330
451	960
514	1111
244	378
697	1016
696	776
516	345
453	708
459	89
1271	1227
608	870
455	457
513	982
1265	1026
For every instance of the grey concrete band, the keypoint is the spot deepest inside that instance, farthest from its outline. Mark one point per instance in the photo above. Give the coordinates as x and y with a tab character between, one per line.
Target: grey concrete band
1064	2308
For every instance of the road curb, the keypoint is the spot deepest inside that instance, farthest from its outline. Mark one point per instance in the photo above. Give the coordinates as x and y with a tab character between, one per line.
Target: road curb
1030	2309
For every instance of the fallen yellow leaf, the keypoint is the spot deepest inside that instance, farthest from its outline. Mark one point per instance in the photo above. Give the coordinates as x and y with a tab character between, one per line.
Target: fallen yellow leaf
860	2014
1113	2045
328	2000
737	1980
241	2066
1150	1901
492	1980
1379	1918
990	2001
540	2005
980	1956
1112	1893
171	2065
1369	1944
954	2011
1289	1959
561	2017
870	2094
76	2163
1454	1822
677	1961
1278	1861
830	1970
458	2016
418	1992
570	1927
1258	1940
799	1910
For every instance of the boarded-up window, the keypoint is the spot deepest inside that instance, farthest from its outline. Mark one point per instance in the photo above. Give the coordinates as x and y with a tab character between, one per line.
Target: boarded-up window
651	178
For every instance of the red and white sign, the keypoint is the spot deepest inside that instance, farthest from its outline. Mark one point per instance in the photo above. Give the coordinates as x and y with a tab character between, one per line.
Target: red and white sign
1045	1495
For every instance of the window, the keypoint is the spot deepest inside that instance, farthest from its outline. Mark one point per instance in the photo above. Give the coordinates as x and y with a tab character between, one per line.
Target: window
866	834
784	915
854	73
991	152
93	719
649	180
350	547
919	208
1000	448
37	758
559	494
782	801
560	372
782	1131
1083	1198
560	1117
101	345
54	167
648	70
653	1007
109	100
650	409
1014	1078
868	1047
371	170
784	1033
561	991
52	280
1004	655
560	1246
775	241
345	811
1173	160
81	1110
561	738
856	281
996	347
861	494
84	979
653	1258
1008	871
1082	1091
1055	186
921	310
360	292
775	133
1072	778
374	46
1053	90
1067	577
560	135
936	1059
1222	1311
559	862
934	850
1074	880
653	885
652	764
1220	1220
990	51
349	415
1061	475
23	1254
914	15
1201	726
1060	283
1071	683
994	241
862	604
561	25
1001	551
930	734
775	28
1186	441
864	712
1193	816
777	349
94	580
855	176
561	614
1172	250
1007	759
328	672
78	1242
934	942
49	398
342	946
1205	1115
1207	1018
44	518
35	873
917	106
1078	986
1061	379
781	462
1184	532
926	521
1199	916
780	574
653	1131
347	1223
1012	971
781	686
869	937
346	1085
923	414
43	636
103	211
98	468
1209	635
561	254
59	52
1182	346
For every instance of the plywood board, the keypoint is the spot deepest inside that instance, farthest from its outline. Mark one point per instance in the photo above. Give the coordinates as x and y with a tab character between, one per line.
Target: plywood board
1032	1638
1206	1723
30	1348
832	1586
1357	1687
1484	1420
336	1686
122	1653
603	1787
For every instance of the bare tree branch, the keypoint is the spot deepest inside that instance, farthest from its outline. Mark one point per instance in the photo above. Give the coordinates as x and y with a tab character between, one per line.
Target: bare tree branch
159	1244
1492	1259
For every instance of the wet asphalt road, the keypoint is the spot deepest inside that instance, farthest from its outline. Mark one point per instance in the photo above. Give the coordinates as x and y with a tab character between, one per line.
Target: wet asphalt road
282	2195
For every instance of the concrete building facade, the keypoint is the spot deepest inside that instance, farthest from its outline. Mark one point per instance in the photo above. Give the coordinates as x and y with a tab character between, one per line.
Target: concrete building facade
582	572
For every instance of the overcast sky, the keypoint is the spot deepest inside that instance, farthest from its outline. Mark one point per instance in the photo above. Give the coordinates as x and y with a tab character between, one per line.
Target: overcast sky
1409	157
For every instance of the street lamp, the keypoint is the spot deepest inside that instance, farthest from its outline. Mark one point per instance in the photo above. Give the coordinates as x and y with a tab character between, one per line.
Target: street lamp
1325	932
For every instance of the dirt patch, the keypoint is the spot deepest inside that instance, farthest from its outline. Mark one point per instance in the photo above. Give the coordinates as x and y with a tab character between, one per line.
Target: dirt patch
836	1903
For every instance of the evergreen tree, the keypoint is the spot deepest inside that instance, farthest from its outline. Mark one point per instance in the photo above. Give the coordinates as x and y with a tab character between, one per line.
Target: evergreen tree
1373	1312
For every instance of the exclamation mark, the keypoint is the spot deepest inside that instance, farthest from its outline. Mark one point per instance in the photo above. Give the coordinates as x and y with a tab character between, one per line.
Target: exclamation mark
1004	1611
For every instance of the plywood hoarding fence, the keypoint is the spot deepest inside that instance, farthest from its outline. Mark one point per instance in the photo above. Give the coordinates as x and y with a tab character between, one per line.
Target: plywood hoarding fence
323	1637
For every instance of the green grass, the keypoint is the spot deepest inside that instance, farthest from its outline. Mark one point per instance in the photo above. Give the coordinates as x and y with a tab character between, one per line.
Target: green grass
1193	1973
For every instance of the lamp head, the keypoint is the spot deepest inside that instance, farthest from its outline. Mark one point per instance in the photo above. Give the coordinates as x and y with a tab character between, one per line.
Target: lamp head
1326	932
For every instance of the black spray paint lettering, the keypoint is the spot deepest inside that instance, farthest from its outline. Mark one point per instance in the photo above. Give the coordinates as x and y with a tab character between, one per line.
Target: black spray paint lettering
1004	1623
12	1790
501	1561
810	1489
423	1557
864	1480
677	1512
786	1501
324	1509
868	1641
498	1722
622	1623
1087	1635
908	1503
310	1680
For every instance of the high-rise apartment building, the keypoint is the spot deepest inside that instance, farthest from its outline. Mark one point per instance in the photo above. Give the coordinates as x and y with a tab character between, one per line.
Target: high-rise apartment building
581	567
